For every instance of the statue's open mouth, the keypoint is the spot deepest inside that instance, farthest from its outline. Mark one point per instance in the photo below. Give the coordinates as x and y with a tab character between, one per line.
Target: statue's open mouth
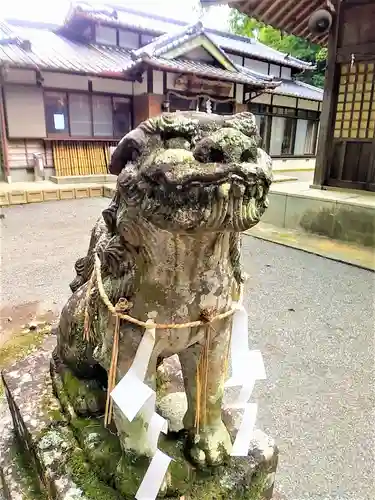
206	174
219	198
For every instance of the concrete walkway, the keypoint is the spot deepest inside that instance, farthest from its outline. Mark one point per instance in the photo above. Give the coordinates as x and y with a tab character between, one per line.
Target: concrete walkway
312	318
319	245
345	215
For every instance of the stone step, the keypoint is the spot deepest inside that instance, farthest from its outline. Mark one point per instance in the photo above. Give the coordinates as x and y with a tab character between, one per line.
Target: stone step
83	179
45	440
277	178
18	480
77	458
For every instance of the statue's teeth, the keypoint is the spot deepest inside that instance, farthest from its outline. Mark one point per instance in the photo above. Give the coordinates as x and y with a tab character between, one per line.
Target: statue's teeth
238	190
224	189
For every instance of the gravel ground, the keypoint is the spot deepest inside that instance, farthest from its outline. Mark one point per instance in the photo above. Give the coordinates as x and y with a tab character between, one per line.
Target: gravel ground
312	318
39	245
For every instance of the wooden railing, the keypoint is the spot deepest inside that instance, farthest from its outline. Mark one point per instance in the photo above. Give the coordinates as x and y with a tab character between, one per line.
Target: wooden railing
81	158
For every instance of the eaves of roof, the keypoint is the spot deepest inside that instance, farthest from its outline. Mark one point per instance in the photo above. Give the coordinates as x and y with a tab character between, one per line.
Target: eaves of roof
302	90
157	25
169	41
198	68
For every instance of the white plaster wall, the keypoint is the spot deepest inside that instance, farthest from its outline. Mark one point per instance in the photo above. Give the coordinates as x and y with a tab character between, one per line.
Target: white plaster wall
275	70
283	100
262	99
158	82
170	80
286	73
259	66
306	104
140	87
290	164
65	81
20	76
239	93
112	86
236	59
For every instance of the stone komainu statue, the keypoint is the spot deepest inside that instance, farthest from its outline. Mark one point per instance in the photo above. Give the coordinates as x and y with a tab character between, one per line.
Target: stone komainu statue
169	242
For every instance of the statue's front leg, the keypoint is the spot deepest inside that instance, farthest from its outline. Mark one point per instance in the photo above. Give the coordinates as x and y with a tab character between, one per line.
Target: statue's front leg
133	435
209	441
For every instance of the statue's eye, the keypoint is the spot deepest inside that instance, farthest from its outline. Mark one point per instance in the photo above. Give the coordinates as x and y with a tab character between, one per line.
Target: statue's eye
216	155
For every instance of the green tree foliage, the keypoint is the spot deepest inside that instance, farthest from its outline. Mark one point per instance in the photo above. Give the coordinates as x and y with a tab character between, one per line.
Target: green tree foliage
290	44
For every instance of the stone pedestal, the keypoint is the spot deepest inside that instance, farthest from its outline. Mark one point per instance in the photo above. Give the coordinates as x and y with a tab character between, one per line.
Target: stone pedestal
75	457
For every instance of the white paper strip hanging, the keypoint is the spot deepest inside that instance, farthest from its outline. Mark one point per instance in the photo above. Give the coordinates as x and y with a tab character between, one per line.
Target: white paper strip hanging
245	432
131	394
154	477
143	354
156	425
239	347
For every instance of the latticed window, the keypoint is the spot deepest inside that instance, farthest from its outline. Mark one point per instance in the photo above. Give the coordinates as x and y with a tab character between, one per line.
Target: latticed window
355	115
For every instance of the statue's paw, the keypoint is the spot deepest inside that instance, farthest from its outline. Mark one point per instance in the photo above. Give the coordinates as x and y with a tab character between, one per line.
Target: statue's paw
210	447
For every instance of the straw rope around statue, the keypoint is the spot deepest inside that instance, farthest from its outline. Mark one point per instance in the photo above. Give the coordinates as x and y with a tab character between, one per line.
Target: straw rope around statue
207	317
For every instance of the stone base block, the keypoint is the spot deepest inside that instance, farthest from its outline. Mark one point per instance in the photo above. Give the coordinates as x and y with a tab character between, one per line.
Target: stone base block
83	179
4	199
34	196
67	194
17	197
76	457
108	191
82	193
96	192
51	195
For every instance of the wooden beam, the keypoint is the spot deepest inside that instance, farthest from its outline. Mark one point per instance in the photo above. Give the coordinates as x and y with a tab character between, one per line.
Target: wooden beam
272	8
260	7
362	49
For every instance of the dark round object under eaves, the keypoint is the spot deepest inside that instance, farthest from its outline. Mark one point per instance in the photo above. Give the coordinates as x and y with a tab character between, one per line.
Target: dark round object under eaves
320	22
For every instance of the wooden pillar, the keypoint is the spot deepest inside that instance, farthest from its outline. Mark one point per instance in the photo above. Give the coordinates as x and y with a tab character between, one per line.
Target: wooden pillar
147	106
325	140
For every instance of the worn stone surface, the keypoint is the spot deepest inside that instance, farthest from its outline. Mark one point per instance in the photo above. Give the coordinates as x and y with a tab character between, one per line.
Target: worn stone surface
83	460
169	242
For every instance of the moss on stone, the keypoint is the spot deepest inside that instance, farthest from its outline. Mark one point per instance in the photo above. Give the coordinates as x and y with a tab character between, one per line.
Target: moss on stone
20	345
86	396
130	473
28	481
72	462
222	485
181	474
101	446
86	478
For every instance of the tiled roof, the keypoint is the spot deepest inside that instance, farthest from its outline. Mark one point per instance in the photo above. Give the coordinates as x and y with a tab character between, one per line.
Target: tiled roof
299	89
202	69
164	43
54	52
253	48
257	75
159	25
